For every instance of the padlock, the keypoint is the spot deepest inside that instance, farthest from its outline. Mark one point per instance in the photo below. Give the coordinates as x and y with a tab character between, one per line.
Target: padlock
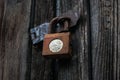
56	43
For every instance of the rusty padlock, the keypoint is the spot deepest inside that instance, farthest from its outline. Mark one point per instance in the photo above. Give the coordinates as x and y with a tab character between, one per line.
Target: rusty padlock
57	43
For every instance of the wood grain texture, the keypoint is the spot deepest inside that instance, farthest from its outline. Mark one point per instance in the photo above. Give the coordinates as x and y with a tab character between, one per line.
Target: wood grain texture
95	45
116	40
14	23
105	39
41	67
77	67
2	38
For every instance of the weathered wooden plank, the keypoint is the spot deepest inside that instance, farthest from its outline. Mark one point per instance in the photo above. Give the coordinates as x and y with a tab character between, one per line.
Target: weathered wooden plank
117	40
41	67
77	67
2	37
14	24
105	39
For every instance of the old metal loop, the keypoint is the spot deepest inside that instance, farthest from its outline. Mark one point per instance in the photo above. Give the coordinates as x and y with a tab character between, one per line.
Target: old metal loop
59	24
65	23
52	24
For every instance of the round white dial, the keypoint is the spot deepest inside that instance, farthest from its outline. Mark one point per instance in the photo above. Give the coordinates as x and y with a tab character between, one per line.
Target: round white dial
56	45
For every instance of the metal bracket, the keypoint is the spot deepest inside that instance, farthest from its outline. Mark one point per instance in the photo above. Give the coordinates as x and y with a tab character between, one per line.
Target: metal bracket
38	32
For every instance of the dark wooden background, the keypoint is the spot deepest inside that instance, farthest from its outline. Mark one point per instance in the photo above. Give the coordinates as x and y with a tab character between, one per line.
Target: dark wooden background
96	41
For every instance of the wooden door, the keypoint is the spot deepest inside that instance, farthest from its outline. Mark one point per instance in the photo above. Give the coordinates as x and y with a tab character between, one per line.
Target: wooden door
95	41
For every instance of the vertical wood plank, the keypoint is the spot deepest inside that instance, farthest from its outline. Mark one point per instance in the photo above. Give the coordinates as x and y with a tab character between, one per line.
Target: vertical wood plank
117	44
41	67
77	67
14	24
105	39
2	38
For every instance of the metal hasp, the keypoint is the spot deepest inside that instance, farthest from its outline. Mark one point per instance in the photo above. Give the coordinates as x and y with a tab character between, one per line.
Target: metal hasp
37	33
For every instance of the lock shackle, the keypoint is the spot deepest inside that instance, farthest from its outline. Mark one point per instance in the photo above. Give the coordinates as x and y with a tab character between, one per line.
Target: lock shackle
65	22
61	23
